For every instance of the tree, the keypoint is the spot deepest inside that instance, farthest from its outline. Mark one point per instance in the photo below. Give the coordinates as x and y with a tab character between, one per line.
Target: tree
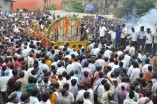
142	5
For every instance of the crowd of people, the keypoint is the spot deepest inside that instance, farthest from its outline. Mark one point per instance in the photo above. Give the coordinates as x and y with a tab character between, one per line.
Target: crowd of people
114	68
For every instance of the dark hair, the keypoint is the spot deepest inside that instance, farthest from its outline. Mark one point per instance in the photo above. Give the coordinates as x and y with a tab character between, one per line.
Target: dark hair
45	96
68	76
86	95
86	64
34	91
24	96
107	86
72	73
131	95
86	74
46	79
31	79
66	86
101	74
17	85
110	96
63	92
150	68
14	72
121	64
73	82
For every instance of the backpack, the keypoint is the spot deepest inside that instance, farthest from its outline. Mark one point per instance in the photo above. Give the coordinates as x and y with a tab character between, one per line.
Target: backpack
155	61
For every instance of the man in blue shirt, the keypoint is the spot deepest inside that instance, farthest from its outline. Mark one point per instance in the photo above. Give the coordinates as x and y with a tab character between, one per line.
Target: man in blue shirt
118	33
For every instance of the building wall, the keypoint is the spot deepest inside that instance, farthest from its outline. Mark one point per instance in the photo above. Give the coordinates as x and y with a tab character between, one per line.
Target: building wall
34	4
5	5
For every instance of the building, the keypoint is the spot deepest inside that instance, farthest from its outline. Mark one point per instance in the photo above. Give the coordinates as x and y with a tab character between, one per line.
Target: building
6	5
35	4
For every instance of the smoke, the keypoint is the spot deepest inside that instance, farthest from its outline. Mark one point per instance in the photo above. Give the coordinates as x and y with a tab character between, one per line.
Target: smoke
148	21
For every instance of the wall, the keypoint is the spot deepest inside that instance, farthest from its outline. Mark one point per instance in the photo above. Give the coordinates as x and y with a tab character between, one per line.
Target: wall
34	4
5	5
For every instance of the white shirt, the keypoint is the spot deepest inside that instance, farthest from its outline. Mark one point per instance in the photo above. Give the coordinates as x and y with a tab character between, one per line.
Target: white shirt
107	54
142	34
95	51
79	96
3	83
132	51
87	101
149	38
113	35
119	53
131	68
124	32
145	68
143	99
33	100
129	101
127	59
102	31
134	36
135	74
101	62
60	70
91	95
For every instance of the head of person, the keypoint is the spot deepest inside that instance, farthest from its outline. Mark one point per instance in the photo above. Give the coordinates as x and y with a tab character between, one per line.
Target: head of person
64	92
31	79
110	96
66	86
131	94
34	92
86	95
150	68
101	74
14	72
148	30
148	93
133	29
45	96
17	85
25	98
107	86
86	74
86	64
123	25
73	82
13	98
21	74
142	28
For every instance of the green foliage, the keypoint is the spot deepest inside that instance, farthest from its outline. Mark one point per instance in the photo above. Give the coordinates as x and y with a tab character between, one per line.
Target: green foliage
75	6
38	10
143	6
51	7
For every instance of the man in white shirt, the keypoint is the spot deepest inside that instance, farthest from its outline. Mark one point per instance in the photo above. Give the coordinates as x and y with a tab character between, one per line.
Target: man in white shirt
155	42
149	40
146	99
132	50
95	50
123	35
141	37
145	67
86	99
134	37
102	32
127	58
79	96
113	36
135	73
130	99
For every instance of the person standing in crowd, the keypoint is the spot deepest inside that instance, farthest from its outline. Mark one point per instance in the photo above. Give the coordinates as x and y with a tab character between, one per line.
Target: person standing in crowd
123	35
134	37
102	30
155	42
149	40
118	35
141	37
